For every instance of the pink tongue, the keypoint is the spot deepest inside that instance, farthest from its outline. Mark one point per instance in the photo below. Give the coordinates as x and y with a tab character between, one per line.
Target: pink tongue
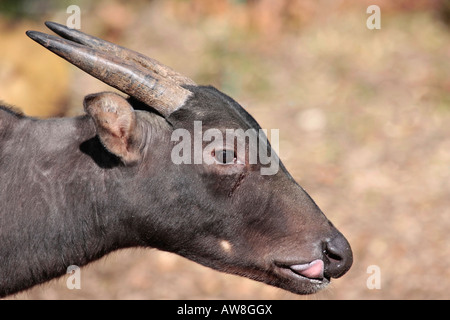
313	270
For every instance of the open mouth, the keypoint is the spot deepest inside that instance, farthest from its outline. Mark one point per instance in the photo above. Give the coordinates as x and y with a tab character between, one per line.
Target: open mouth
311	273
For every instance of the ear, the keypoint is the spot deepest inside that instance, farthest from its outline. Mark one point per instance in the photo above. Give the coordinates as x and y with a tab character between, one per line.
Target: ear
115	121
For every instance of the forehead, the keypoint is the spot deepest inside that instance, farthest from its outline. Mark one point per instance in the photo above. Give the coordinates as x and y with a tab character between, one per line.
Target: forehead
215	110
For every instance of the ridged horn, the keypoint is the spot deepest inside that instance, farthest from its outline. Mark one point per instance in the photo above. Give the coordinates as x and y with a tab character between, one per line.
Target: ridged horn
141	77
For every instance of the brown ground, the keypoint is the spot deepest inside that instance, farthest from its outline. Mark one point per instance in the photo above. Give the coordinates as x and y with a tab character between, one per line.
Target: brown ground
363	116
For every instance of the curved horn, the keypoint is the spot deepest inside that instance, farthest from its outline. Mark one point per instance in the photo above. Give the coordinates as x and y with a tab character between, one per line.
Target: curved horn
119	51
128	71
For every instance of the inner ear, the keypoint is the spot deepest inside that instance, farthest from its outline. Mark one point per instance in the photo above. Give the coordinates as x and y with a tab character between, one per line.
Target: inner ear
115	121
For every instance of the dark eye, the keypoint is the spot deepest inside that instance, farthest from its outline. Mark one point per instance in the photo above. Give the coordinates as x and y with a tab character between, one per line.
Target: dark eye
225	156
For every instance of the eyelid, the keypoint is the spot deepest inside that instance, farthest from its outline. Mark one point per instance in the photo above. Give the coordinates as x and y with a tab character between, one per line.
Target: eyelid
235	159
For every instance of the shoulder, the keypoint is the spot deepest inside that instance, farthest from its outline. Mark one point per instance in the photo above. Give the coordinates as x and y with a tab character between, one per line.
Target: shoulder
6	110
9	117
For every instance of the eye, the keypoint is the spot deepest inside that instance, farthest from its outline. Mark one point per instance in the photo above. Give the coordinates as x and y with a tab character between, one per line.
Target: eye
224	156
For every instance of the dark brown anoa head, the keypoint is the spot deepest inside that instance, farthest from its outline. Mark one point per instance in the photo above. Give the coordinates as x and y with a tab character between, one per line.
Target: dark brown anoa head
223	203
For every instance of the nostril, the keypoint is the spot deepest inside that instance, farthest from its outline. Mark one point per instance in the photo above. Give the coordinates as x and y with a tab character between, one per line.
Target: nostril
338	255
332	256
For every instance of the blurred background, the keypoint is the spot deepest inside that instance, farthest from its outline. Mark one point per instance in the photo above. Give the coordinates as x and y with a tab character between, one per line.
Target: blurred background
364	119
